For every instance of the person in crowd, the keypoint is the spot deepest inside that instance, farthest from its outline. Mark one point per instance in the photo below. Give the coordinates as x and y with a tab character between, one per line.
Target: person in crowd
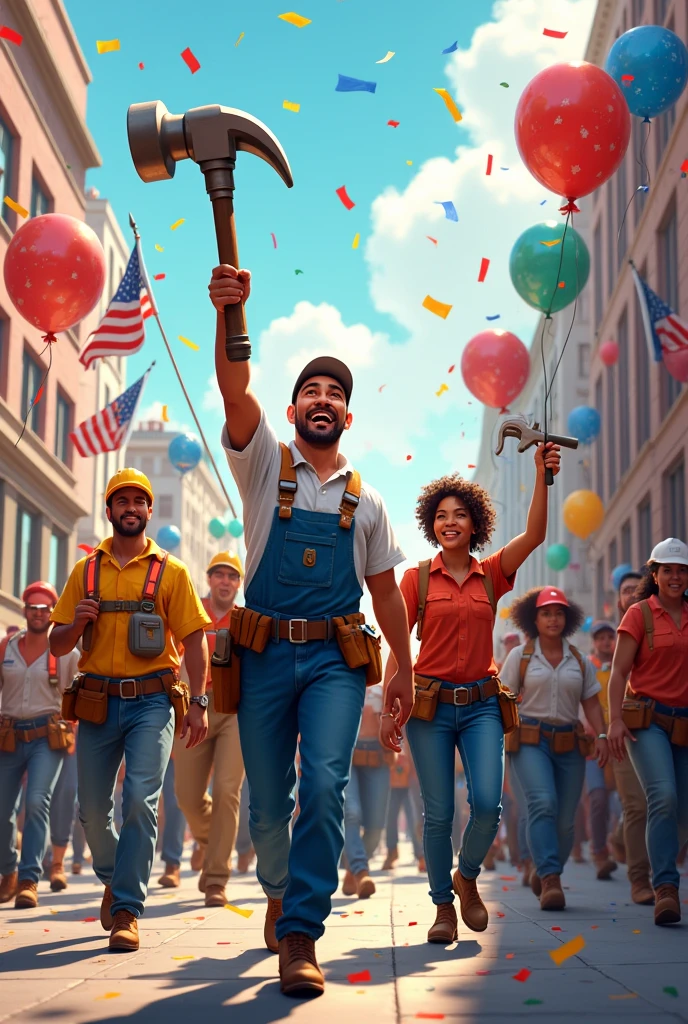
652	728
125	690
603	637
32	741
454	603
213	819
173	830
508	642
402	775
547	753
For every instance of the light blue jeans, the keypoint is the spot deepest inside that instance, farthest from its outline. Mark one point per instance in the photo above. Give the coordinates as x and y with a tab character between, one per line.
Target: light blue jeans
365	810
175	822
287	691
63	802
42	766
401	799
662	768
476	729
140	729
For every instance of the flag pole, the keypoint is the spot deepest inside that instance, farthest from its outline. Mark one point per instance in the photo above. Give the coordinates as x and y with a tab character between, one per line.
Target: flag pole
156	314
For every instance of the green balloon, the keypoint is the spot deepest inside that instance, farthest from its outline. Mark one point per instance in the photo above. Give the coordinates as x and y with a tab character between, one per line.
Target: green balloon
235	528
216	527
535	268
558	557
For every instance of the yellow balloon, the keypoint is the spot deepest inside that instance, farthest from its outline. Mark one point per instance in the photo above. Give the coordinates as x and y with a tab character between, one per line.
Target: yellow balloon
504	613
583	513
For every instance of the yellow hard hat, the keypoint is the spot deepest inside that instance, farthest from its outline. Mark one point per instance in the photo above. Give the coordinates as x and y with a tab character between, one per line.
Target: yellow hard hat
226	558
129	478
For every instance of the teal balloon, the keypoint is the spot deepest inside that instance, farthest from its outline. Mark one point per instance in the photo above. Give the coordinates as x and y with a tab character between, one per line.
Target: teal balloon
216	527
558	557
235	528
535	268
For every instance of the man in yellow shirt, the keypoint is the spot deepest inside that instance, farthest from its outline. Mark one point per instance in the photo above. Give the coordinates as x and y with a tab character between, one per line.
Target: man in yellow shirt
133	606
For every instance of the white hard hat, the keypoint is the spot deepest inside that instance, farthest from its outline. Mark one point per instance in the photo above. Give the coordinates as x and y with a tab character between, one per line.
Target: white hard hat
670	552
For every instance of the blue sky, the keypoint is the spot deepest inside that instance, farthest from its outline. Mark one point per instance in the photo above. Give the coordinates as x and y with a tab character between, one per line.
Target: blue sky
363	304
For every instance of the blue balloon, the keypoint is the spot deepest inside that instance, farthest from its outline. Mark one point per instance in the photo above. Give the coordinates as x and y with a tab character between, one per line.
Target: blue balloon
185	452
619	572
585	628
658	61
169	537
584	423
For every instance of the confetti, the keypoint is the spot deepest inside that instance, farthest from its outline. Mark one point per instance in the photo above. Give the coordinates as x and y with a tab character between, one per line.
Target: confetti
495	317
522	975
449	103
569	949
165	417
562	284
593	927
298	271
450	49
489	164
393	124
192	345
159	248
357	239
409	163
684	167
346	84
355	979
109	995
189	957
381	388
532	1002
557	241
10	35
295	19
177	223
274	240
86	920
433	240
429	1016
241	36
17	207
484	267
190	60
411	923
510	956
238	910
482	973
507	878
388	56
671	991
555	928
409	457
553	34
449	208
636	931
625	995
158	277
627	79
107	45
451	368
471	465
504	85
443	388
294	107
499	913
438	308
342	193
141	65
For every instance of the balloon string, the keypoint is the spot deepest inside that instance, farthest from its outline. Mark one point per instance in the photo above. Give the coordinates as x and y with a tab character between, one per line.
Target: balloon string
49	339
641	159
548	316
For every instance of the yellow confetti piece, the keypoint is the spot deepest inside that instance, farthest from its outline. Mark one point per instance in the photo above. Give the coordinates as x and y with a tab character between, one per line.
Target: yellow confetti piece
388	56
190	344
183	958
241	36
449	103
357	239
568	950
409	163
177	223
295	19
54	911
159	247
109	995
625	995
107	45
557	241
165	417
636	931
438	308
443	388
294	107
17	207
238	910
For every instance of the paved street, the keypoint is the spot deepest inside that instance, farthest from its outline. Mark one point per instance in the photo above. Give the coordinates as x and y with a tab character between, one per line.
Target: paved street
197	964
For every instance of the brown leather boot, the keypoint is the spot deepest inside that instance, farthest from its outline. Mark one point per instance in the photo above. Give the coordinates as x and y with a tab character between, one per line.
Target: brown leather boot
197	857
215	896
105	913
58	879
27	895
124	937
667	906
171	879
273	913
8	887
391	859
535	883
446	926
605	866
76	868
527	873
244	861
642	892
552	897
365	886
473	910
298	967
349	884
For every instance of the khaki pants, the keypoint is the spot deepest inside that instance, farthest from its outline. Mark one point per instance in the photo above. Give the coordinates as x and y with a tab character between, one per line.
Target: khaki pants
634	819
213	820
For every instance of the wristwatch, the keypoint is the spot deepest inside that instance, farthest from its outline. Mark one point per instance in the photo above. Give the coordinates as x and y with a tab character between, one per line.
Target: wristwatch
602	735
202	700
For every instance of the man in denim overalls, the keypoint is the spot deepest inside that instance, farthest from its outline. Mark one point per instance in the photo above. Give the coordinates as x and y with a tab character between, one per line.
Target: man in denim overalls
303	569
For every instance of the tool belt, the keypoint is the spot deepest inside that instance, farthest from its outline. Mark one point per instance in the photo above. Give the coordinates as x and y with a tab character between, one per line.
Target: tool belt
60	734
429	693
640	712
86	699
364	758
561	741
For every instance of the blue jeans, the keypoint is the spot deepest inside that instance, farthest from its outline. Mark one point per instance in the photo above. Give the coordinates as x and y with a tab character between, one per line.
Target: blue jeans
243	839
476	729
63	802
662	768
552	785
293	689
139	729
365	810
175	822
42	766
522	809
400	799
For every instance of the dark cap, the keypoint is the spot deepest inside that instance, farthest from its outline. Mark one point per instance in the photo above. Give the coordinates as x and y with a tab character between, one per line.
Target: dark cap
325	366
600	626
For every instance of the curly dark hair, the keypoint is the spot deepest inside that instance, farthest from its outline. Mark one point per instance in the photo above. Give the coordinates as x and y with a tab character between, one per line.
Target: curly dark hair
647	586
523	614
474	497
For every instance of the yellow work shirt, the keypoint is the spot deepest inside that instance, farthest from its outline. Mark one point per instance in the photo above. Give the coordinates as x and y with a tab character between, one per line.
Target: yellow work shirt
177	603
603	672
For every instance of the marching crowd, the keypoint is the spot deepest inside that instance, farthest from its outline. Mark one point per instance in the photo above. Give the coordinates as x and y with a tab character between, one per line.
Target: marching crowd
308	749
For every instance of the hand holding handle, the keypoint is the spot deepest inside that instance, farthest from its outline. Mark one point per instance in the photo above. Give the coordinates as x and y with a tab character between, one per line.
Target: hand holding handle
237	343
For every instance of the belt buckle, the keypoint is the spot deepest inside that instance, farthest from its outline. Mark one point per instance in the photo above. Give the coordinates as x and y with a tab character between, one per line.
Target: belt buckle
466	700
124	695
292	638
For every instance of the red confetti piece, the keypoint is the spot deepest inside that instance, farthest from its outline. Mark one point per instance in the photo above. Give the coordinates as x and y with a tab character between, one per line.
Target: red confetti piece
393	124
224	943
489	164
10	35
555	928
627	78
409	457
39	395
433	240
522	975
190	61
411	923
594	926
451	368
354	979
507	878
158	277
471	465
381	388
88	919
482	973
274	240
553	34
484	266
510	956
498	913
359	911
141	66
343	915
341	192
505	888
684	167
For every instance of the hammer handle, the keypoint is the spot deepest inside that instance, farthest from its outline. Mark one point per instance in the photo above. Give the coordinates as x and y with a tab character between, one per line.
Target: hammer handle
237	344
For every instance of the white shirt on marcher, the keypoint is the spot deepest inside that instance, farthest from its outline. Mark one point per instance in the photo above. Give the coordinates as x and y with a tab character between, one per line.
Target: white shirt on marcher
552	695
25	690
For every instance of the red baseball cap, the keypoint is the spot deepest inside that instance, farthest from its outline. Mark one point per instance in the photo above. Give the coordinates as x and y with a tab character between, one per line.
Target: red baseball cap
40	593
551	595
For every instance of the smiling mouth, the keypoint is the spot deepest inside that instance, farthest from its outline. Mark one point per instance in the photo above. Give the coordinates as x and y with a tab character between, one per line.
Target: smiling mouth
321	418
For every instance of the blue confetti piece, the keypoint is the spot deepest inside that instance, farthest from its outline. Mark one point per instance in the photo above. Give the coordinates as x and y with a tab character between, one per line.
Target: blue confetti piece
543	202
506	169
449	209
450	49
346	84
495	317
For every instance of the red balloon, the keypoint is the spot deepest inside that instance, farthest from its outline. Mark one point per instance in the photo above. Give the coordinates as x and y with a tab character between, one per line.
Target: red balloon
609	353
495	365
54	271
572	128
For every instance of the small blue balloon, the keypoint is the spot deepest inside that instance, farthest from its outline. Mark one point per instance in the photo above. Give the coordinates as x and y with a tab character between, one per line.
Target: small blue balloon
657	60
587	624
584	423
185	452
169	537
619	572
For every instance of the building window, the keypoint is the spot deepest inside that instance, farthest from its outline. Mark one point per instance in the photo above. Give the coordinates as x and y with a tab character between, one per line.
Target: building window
165	506
643	370
148	465
584	360
610	422
63	425
599	456
661	9
601	589
637	12
31	383
626	546
58	560
644	518
667	239
40	201
624	396
598	298
675	500
27	550
5	169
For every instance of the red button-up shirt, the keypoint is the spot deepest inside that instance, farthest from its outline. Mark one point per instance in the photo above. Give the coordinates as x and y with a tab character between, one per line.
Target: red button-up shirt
660	673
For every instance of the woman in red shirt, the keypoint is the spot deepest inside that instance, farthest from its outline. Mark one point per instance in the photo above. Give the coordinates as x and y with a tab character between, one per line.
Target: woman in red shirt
456	658
653	646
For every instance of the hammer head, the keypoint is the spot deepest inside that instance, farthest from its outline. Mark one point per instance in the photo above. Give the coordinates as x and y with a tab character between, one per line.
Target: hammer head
158	139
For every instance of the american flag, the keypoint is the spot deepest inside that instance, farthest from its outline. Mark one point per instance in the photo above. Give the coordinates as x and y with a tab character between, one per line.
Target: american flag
120	332
665	330
108	429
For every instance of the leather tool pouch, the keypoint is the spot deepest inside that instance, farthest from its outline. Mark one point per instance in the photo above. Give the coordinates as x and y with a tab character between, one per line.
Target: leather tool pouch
427	698
69	700
563	742
530	734
637	714
679	732
8	741
250	629
512	741
225	672
360	645
60	734
180	699
91	705
374	647
367	758
146	632
586	743
508	708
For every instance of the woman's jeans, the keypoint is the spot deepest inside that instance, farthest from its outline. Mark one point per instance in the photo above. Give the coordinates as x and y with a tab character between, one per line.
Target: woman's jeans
552	785
662	768
400	799
599	808
365	810
476	729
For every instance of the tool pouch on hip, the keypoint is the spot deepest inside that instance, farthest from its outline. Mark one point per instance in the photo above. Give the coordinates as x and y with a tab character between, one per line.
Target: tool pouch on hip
508	708
351	640
427	698
366	758
92	705
180	699
8	741
637	714
679	732
146	634
250	629
563	742
225	672
68	712
60	734
373	644
586	743
512	741
530	734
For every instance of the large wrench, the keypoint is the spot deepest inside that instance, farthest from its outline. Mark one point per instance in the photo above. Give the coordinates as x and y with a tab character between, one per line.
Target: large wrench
529	435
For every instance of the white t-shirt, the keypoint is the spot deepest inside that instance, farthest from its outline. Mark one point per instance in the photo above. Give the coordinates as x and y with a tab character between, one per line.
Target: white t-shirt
25	690
256	471
551	695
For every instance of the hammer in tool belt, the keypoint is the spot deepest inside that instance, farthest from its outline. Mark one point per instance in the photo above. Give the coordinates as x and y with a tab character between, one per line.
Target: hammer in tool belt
518	426
211	136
